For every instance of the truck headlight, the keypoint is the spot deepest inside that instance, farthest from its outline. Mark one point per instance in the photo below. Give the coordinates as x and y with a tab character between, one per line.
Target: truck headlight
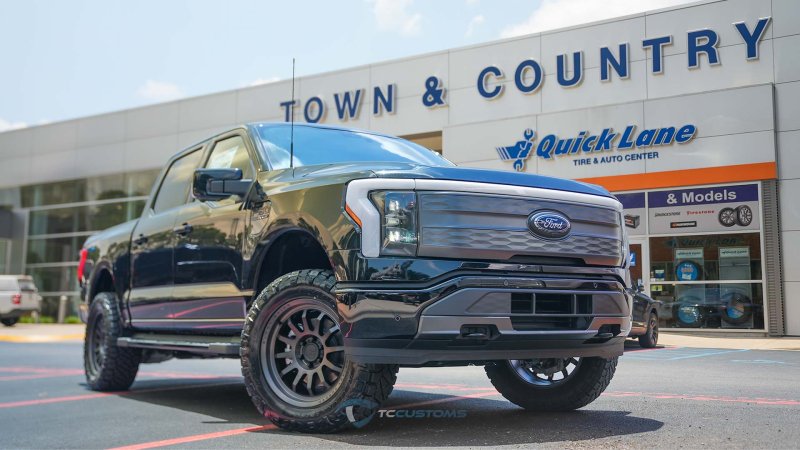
398	210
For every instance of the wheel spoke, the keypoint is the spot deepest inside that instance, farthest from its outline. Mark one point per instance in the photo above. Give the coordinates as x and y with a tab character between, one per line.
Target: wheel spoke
334	349
310	382
287	340
330	365
284	355
321	377
293	327
297	379
304	318
288	368
315	324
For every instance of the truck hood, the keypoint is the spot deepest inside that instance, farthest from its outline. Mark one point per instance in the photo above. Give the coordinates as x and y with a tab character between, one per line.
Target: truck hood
410	170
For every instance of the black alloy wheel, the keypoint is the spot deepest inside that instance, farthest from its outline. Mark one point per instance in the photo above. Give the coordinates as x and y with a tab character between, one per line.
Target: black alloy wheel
545	372
303	352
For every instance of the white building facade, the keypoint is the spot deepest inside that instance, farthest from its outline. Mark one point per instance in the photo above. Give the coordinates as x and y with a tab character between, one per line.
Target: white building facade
690	114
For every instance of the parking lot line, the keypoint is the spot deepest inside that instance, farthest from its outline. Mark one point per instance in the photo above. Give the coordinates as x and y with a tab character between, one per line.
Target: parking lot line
237	431
679	353
72	398
704	398
195	438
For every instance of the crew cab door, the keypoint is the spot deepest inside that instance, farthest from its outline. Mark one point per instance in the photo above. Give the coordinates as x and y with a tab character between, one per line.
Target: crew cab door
208	292
152	246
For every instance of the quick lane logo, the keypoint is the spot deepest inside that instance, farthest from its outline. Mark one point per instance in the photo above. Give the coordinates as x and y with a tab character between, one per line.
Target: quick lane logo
586	144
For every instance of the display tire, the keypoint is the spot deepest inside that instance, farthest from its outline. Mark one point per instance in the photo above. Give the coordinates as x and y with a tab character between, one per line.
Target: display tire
744	215
650	338
746	308
351	400
107	366
682	315
590	379
727	217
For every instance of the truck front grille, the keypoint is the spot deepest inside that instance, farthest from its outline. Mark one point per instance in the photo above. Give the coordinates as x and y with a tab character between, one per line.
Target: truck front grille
494	227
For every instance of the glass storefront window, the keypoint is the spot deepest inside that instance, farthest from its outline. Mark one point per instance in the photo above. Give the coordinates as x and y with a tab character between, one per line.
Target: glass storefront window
82	218
711	305
52	250
705	257
106	187
708	281
55	279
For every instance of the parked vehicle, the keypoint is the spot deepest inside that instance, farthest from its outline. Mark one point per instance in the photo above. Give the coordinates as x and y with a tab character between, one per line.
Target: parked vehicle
18	296
644	319
368	254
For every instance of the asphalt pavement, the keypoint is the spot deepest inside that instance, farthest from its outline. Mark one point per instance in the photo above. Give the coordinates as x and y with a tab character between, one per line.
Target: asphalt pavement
666	397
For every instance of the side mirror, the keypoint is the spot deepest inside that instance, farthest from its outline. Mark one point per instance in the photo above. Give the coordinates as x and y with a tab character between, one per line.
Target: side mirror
219	184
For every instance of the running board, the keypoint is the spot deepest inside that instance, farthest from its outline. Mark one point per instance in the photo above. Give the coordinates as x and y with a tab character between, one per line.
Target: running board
206	345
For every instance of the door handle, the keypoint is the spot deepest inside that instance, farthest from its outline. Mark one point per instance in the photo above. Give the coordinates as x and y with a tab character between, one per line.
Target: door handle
183	229
141	240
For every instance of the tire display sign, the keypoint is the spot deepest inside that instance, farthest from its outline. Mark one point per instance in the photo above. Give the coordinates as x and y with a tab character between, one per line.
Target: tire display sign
721	208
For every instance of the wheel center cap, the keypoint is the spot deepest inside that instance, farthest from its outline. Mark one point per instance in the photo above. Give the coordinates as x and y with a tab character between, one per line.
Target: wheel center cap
311	352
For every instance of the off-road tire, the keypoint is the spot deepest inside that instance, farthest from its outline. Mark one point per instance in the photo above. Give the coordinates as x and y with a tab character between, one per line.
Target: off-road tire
650	338
119	365
592	377
363	387
10	322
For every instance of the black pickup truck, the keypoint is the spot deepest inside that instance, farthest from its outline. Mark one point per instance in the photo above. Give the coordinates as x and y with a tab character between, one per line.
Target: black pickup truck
326	271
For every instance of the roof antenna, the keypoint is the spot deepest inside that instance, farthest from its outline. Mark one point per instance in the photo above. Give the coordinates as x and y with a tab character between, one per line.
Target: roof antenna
291	135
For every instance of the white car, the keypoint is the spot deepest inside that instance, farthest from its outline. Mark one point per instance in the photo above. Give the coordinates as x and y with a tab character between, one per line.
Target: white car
18	296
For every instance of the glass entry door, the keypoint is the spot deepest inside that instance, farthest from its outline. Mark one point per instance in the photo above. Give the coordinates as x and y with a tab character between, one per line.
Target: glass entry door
639	263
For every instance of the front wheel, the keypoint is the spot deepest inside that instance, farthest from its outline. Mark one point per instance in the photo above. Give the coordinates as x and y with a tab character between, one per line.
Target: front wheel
552	384
10	322
293	360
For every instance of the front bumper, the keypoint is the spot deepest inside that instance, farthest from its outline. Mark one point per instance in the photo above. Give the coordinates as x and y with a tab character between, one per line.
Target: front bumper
484	317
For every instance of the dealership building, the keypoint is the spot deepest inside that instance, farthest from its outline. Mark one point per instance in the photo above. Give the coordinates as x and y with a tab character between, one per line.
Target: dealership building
690	115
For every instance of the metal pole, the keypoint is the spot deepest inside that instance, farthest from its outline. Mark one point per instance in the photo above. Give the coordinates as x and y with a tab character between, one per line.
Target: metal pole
62	308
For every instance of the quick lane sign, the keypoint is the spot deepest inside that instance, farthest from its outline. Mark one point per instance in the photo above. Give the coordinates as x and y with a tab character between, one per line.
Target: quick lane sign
588	148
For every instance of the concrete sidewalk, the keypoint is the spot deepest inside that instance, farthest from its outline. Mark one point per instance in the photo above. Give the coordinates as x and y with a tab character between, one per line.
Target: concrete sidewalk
25	332
30	332
678	339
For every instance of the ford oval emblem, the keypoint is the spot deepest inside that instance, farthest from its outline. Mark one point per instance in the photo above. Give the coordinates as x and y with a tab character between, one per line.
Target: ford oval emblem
549	225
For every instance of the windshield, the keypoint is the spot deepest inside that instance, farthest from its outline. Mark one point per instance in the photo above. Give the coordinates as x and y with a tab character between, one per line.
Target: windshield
328	146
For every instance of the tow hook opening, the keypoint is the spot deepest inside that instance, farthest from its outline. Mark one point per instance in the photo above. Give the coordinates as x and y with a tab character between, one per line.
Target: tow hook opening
479	332
605	333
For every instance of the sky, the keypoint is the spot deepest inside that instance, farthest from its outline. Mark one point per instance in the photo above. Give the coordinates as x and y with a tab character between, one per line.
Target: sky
63	59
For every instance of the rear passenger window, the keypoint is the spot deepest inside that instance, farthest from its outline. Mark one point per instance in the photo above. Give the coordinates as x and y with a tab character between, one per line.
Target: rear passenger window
231	153
174	190
26	285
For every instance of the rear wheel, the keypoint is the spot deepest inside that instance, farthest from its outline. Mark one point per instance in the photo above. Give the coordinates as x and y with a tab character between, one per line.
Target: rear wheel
107	367
10	322
294	363
650	338
552	384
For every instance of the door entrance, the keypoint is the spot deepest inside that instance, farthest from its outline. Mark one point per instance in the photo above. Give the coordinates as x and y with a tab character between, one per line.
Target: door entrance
640	263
